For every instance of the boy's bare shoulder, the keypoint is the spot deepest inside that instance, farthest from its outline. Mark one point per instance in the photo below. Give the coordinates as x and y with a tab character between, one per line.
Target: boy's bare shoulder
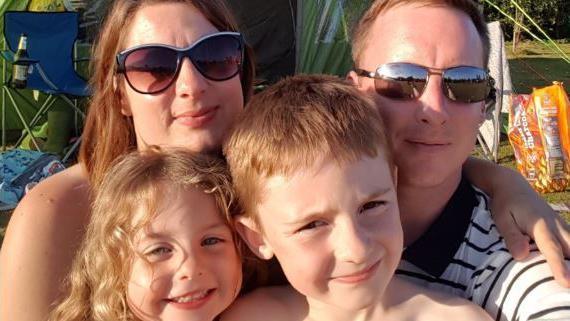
269	303
413	302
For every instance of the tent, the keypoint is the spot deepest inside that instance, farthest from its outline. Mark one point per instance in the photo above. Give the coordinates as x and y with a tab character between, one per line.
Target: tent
291	36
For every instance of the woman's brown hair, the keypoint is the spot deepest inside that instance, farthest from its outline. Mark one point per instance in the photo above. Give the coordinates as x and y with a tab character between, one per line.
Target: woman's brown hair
109	134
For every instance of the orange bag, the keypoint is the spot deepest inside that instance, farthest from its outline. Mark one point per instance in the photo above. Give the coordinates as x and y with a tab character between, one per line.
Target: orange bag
539	134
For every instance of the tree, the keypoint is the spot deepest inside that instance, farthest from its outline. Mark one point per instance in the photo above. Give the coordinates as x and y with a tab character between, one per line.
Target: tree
550	15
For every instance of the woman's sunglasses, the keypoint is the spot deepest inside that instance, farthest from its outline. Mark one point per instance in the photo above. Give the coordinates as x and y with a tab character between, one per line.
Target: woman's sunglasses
406	81
152	68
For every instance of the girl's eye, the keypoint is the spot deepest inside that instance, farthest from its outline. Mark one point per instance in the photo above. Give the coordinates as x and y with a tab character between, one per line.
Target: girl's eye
159	251
209	241
371	205
312	225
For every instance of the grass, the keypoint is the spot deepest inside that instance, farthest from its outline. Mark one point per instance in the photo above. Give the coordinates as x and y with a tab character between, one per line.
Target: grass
535	65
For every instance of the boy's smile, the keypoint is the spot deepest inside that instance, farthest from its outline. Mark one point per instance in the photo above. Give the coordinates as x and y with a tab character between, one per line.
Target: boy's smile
335	230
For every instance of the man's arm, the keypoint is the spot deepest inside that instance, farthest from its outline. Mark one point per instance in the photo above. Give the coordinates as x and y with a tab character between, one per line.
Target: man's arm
519	211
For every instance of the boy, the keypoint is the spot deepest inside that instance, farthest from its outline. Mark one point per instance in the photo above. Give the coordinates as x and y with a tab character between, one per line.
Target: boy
314	173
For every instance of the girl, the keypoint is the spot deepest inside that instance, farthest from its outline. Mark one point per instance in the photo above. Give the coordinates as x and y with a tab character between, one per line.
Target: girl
159	245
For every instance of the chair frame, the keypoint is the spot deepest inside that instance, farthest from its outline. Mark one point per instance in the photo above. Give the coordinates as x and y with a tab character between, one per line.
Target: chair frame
9	92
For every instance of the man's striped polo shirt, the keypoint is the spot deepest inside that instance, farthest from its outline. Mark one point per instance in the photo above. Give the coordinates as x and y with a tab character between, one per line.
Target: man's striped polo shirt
462	253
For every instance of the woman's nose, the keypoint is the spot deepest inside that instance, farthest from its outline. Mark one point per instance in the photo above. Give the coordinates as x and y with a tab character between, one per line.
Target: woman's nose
190	81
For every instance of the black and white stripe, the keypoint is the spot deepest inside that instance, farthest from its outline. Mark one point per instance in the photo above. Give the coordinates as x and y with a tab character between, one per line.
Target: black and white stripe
480	268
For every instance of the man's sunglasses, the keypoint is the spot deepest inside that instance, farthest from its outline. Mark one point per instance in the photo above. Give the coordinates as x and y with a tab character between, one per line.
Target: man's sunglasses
152	68
406	81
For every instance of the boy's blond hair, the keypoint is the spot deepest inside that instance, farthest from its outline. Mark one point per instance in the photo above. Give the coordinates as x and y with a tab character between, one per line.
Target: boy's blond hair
98	280
296	123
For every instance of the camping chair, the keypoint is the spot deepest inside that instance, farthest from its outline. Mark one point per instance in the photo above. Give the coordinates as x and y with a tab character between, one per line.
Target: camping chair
51	47
490	131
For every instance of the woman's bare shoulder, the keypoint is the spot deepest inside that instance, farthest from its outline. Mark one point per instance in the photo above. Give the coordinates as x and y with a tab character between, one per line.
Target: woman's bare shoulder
418	303
43	235
56	208
61	194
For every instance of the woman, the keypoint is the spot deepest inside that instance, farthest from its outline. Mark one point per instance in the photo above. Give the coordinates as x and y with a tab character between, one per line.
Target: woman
143	95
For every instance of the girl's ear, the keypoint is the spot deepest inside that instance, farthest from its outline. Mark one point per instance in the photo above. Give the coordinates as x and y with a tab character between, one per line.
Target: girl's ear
253	237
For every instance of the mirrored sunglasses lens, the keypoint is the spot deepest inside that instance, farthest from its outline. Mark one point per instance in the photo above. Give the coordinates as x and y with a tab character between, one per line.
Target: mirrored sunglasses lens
218	58
401	81
466	84
151	69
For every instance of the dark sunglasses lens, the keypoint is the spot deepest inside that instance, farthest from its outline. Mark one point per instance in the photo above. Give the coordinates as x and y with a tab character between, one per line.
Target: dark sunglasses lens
152	69
218	58
400	81
466	84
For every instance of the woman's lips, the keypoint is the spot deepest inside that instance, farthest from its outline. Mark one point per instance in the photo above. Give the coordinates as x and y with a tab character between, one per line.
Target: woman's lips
199	118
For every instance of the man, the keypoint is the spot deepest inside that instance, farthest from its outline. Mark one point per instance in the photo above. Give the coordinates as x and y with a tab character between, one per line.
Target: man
452	241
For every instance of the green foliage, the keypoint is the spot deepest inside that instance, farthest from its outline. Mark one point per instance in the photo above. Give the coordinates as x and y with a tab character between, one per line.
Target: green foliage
551	15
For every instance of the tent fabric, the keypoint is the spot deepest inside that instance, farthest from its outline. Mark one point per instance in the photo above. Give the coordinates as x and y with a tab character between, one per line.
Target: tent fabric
291	36
269	28
324	37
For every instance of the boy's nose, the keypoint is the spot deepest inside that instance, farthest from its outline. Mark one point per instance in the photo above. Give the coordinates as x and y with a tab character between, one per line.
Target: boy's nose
352	244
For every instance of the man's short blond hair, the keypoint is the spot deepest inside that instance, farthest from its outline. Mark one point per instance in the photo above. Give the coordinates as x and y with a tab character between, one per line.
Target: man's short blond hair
470	8
297	123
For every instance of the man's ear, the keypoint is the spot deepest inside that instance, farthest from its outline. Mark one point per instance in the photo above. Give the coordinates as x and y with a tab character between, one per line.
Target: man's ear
353	78
125	108
253	237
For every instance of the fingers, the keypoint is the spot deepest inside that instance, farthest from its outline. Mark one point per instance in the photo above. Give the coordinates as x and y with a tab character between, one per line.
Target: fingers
517	243
564	236
551	248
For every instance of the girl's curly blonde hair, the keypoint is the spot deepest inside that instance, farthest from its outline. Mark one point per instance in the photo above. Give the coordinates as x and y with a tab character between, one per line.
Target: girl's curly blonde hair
98	279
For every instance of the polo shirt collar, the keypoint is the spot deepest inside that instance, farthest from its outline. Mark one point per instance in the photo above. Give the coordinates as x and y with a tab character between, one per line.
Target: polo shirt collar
435	249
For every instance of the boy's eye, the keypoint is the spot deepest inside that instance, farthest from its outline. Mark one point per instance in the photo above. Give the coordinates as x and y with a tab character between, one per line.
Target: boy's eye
312	225
209	241
371	205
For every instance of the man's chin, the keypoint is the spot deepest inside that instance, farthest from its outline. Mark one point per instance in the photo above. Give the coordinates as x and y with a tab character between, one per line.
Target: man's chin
426	176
